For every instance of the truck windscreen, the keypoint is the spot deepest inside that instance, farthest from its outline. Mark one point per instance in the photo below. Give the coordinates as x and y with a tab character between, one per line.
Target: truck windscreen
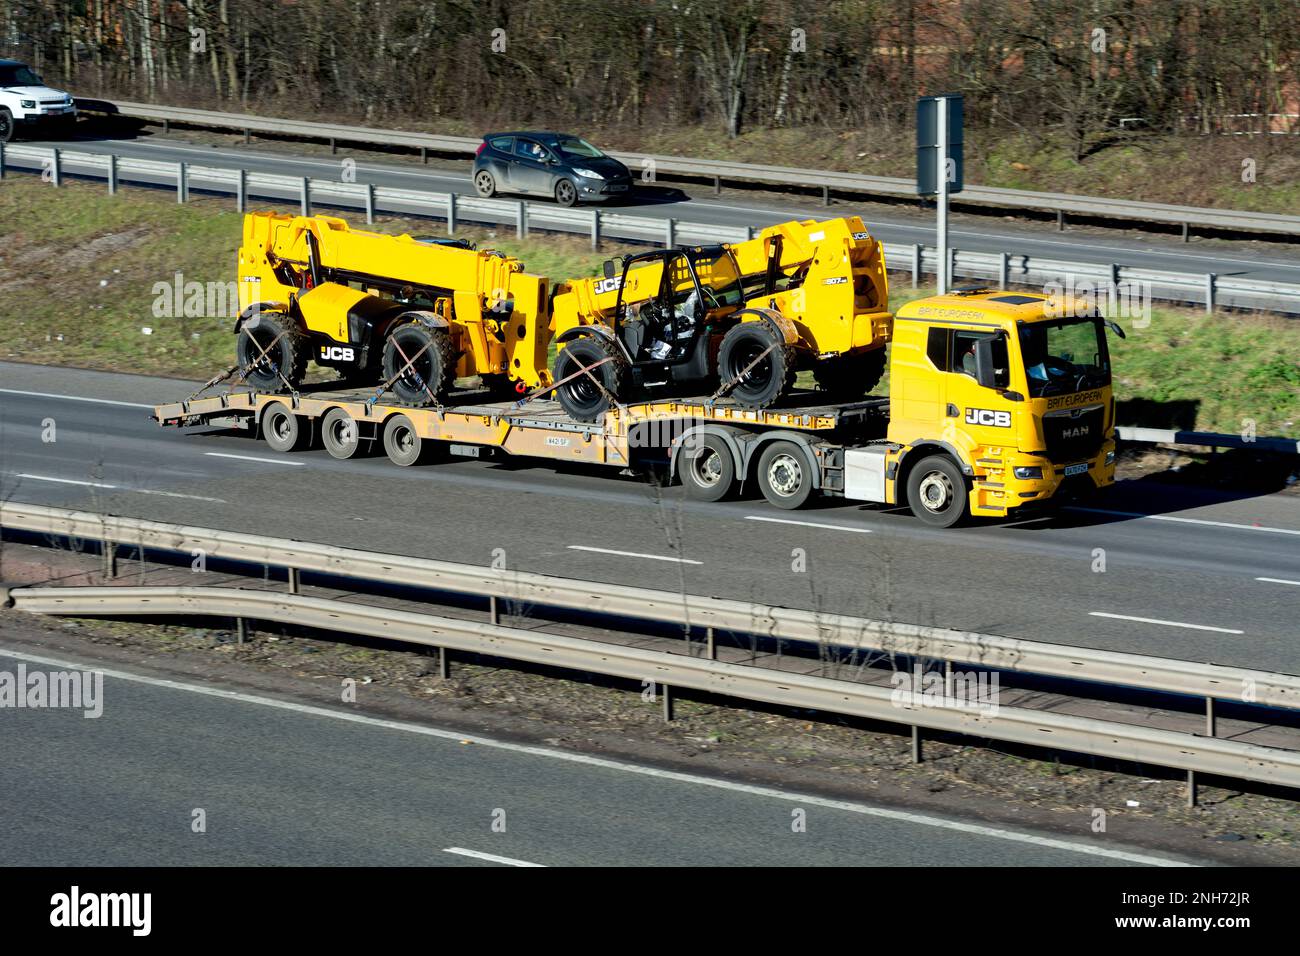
1065	356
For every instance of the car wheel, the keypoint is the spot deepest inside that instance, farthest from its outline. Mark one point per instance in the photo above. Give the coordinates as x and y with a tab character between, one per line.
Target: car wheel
485	184
6	126
566	194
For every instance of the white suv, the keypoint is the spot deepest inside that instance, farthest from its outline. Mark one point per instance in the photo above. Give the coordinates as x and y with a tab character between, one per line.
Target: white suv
26	101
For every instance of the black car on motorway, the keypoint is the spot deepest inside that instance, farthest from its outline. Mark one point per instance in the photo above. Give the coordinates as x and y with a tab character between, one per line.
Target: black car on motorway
548	164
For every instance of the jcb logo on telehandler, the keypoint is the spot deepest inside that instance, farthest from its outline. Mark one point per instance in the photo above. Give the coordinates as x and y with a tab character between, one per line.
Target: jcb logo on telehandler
608	285
336	353
986	416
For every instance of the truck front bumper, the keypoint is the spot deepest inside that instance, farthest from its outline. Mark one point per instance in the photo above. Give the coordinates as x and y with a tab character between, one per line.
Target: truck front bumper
1000	493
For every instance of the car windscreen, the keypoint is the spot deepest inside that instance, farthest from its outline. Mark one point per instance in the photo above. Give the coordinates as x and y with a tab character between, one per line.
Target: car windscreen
571	147
1065	356
18	75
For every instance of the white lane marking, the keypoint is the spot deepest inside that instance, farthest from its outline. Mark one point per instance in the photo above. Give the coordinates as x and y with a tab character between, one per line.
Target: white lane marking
269	461
490	857
1156	620
633	554
1215	524
108	487
807	524
656	773
1278	581
72	398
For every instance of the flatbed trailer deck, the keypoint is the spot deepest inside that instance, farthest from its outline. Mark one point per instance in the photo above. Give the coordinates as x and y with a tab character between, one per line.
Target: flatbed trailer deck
714	447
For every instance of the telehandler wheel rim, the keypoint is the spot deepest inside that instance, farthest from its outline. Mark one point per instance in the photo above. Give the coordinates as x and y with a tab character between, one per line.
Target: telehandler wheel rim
485	184
937	493
785	475
565	193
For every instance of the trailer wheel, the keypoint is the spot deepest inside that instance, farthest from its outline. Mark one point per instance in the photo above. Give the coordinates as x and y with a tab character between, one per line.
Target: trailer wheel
403	445
282	429
340	434
757	355
784	475
707	469
936	491
847	378
581	398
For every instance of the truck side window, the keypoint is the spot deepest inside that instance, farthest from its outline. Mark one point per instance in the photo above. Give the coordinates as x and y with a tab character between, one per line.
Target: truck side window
936	348
963	351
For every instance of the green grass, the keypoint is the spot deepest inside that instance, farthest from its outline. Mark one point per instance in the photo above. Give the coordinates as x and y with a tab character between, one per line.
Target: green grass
60	245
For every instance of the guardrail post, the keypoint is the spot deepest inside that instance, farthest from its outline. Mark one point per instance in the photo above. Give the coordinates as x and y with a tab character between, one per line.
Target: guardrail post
334	147
1209	292
750	233
1186	232
521	220
1004	267
826	195
424	155
241	190
182	182
112	174
595	230
717	185
247	139
668	701
917	249
2	160
1191	789
241	630
1210	723
670	233
167	126
1060	220
56	170
444	663
710	644
493	613
306	196
295	584
917	755
451	214
110	559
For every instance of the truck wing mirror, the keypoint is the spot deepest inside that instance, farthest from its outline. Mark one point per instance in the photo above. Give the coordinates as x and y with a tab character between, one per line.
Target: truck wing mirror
1116	328
984	371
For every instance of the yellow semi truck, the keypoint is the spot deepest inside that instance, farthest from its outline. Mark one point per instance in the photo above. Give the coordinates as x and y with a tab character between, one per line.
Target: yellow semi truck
999	402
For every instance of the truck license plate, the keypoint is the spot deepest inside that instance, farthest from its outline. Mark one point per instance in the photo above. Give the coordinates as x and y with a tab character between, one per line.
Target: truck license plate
1079	469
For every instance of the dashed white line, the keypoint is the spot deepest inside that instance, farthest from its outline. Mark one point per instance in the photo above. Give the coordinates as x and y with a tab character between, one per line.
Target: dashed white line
1278	581
73	398
490	857
633	554
807	524
1202	521
268	461
1156	620
107	487
655	773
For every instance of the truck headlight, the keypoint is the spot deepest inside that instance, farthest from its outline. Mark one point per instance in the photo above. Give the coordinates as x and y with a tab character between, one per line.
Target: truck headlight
27	104
588	173
1110	458
1028	472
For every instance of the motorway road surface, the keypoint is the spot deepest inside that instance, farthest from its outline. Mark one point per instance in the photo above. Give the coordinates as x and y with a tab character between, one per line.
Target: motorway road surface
1280	263
1187	574
281	783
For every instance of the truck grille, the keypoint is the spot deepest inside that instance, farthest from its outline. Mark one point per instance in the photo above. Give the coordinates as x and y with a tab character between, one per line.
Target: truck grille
1070	439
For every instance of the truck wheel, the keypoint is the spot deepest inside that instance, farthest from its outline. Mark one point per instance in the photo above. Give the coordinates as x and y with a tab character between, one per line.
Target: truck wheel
707	469
433	363
403	445
847	378
936	491
6	126
340	434
581	399
282	429
784	475
763	381
287	357
485	184
566	194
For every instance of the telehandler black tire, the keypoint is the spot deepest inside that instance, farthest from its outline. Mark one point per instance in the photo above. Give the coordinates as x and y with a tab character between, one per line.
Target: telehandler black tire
287	357
847	378
767	381
433	368
581	398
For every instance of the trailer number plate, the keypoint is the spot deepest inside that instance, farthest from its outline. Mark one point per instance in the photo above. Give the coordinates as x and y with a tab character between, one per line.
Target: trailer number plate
558	442
1079	469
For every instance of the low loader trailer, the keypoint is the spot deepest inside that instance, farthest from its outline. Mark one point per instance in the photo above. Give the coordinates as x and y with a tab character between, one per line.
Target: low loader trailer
997	406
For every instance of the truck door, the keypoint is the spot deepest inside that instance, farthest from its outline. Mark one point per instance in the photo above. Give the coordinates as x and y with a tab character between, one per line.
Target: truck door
982	411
